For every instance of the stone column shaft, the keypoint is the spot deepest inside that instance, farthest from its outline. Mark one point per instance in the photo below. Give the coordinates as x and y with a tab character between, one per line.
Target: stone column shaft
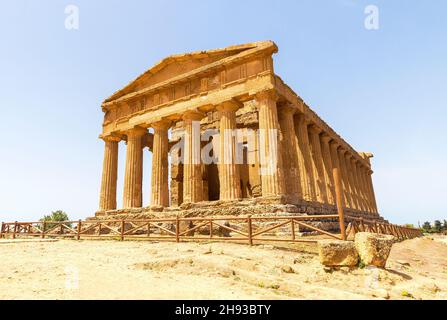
289	147
362	174
272	174
109	174
317	164
229	176
363	187
304	158
160	167
357	188
327	168
333	146
345	176
192	168
133	176
350	173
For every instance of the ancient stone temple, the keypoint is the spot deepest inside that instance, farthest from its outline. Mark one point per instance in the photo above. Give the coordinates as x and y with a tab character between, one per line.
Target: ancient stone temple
227	136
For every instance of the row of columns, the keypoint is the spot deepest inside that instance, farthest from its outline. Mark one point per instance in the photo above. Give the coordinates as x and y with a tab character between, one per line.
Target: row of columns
309	153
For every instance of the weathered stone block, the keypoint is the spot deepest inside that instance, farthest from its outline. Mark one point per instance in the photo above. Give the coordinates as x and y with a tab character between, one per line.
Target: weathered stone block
373	248
337	253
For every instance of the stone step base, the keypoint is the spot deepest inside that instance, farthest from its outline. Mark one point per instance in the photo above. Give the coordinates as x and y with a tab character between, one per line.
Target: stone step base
254	207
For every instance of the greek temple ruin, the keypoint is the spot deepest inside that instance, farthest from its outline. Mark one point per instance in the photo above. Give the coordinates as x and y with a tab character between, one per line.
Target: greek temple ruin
274	153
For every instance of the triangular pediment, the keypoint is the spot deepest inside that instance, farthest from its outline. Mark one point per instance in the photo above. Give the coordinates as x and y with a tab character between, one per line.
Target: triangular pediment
177	65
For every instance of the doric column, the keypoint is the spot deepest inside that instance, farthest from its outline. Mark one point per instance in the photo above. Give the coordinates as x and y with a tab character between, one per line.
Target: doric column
192	169
160	167
350	173
289	148
133	176
304	158
361	170
362	175
107	200
272	175
333	146
229	176
317	163
345	178
357	187
327	168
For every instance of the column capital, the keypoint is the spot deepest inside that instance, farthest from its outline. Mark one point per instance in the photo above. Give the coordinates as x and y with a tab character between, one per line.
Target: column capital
267	94
163	124
362	166
136	132
334	144
314	129
230	105
193	115
325	137
287	108
110	138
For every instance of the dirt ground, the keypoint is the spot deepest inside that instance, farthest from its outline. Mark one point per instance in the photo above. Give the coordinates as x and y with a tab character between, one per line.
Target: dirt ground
67	269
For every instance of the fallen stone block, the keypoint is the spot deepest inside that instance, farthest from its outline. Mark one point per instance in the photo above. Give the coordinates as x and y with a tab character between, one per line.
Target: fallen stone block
373	248
337	253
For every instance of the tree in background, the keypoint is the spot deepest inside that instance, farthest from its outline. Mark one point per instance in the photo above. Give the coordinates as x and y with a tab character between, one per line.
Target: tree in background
426	226
58	215
438	226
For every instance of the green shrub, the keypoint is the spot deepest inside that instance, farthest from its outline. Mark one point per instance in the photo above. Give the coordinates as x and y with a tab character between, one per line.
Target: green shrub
58	215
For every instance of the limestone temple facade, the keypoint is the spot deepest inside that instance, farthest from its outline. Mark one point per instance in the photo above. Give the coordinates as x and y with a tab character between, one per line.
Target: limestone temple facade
181	110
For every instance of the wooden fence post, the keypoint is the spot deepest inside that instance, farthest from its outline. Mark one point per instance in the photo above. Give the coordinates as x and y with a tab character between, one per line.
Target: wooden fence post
122	230
293	229
211	229
250	231
177	229
15	230
44	226
78	235
339	201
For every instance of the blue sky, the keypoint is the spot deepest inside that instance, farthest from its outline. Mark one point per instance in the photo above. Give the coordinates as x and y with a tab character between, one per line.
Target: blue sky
383	90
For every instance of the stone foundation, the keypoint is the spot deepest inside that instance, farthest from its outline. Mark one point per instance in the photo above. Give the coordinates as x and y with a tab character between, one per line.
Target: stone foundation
257	207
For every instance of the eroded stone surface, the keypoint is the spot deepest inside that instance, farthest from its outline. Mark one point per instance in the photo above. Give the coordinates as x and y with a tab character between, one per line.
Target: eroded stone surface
337	253
373	248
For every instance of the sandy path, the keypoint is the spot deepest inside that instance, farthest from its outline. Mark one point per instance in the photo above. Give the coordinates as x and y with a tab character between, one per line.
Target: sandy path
143	270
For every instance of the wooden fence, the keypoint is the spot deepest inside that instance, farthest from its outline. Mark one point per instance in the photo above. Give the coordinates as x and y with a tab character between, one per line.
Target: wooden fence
235	228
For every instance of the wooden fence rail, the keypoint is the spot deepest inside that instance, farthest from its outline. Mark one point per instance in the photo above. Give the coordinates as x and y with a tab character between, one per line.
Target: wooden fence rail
235	228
